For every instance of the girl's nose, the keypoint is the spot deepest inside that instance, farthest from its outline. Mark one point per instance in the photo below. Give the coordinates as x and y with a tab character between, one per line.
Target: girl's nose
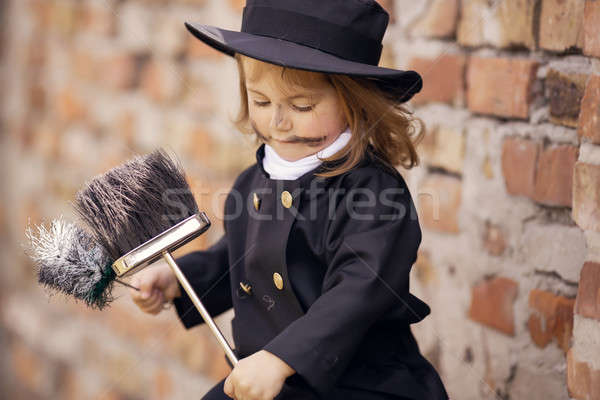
279	119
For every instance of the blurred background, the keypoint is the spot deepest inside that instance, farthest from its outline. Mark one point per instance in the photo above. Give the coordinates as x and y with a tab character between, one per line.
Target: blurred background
508	189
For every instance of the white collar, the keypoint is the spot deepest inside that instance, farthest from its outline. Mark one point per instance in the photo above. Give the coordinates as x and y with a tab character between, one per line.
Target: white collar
279	168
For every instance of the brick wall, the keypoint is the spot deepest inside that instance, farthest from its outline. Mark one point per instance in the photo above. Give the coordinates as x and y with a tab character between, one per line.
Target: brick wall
508	189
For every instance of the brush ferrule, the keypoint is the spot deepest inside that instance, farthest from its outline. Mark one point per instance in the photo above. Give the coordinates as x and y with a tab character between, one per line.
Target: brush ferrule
170	240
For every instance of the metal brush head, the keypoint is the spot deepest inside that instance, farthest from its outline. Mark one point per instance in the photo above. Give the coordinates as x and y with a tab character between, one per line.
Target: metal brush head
134	202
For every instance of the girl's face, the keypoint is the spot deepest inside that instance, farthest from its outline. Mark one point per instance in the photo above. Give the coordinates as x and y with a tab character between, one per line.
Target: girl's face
297	121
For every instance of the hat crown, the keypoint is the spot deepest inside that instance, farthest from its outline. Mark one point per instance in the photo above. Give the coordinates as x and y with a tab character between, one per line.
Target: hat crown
364	16
350	29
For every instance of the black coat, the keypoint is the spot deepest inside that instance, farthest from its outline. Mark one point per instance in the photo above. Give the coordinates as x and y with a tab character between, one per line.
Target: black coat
329	278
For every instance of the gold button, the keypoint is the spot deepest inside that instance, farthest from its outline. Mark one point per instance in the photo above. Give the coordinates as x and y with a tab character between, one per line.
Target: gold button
247	288
256	201
286	199
278	280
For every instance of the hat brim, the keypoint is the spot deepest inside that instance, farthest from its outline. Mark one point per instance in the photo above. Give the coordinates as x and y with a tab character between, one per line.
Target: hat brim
289	54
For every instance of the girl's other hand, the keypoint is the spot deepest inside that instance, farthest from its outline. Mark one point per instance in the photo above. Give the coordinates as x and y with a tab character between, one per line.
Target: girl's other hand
157	284
257	377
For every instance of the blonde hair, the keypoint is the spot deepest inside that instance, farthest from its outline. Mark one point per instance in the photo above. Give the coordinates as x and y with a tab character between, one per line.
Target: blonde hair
373	116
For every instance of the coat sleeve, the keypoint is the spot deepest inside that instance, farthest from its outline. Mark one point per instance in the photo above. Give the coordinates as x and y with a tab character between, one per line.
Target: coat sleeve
370	245
208	274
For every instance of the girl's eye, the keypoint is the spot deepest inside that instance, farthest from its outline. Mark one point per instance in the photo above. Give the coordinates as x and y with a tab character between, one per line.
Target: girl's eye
261	103
303	109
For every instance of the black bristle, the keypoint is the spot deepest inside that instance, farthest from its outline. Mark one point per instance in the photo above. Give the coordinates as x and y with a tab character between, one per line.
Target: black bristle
136	201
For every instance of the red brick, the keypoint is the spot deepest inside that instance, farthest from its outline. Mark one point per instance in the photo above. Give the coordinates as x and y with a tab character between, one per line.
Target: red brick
554	175
84	64
163	383
578	377
97	18
119	71
591	28
27	367
519	160
424	269
160	81
443	78
388	6
439	203
565	92
500	86
552	319
586	196
589	115
492	304
588	293
439	21
196	48
561	23
69	105
37	96
41	11
237	5
493	239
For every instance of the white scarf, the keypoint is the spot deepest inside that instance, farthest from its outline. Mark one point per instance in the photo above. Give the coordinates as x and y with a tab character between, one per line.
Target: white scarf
279	168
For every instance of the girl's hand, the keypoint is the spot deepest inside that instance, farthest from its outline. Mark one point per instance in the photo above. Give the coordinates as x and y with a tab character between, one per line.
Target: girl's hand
157	284
257	377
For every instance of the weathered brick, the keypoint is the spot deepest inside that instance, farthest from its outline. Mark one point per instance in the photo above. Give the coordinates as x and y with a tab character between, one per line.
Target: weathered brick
98	18
443	78
578	377
161	81
499	23
119	71
439	203
197	49
439	21
493	239
565	92
591	28
561	23
589	115
84	64
552	319
28	367
517	19
554	175
163	384
63	17
500	86
444	147
492	304
519	161
237	5
588	292
586	196
388	58
424	270
69	105
388	6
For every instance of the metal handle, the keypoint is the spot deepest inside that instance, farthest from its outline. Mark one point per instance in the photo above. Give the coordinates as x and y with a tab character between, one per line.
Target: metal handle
200	307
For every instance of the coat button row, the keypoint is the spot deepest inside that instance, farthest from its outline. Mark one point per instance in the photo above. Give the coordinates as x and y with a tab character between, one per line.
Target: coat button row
286	200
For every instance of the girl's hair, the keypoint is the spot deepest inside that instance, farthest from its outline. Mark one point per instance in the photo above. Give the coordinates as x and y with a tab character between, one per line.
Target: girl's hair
373	115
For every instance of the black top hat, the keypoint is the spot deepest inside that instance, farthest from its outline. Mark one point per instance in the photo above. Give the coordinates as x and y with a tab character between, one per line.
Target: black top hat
331	36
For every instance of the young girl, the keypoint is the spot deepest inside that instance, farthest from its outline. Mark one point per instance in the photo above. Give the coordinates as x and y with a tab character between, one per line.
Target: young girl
321	232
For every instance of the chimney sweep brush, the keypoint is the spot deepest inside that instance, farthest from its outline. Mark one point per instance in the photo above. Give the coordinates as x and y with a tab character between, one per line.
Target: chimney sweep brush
136	213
